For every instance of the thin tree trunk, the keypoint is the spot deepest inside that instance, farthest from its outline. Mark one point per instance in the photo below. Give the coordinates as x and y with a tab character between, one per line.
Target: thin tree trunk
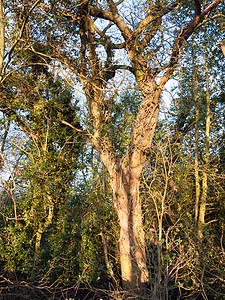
196	165
202	208
197	177
2	36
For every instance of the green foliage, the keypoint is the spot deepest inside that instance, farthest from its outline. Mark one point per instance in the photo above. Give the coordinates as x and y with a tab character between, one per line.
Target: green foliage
16	247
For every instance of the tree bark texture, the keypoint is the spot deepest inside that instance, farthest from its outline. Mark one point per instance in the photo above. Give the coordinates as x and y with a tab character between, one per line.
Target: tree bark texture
2	36
125	180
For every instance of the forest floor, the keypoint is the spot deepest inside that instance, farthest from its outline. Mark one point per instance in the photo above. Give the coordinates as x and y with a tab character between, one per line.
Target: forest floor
24	291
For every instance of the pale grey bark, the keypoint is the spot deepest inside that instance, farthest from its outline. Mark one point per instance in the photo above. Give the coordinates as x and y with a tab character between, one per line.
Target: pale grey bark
2	36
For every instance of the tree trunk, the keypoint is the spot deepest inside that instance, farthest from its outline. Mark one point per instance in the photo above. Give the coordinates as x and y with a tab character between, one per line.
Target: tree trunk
196	165
131	242
125	180
197	177
203	203
2	36
44	226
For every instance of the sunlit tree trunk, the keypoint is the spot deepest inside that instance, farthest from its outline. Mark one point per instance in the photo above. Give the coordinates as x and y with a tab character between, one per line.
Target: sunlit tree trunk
197	177
125	180
128	204
203	202
125	183
131	242
196	164
45	225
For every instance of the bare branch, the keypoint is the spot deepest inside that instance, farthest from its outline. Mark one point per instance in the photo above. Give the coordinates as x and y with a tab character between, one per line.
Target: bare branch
86	133
123	67
153	17
119	2
113	16
100	13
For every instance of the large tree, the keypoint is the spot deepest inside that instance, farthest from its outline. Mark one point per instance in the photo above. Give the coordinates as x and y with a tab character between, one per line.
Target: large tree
90	37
